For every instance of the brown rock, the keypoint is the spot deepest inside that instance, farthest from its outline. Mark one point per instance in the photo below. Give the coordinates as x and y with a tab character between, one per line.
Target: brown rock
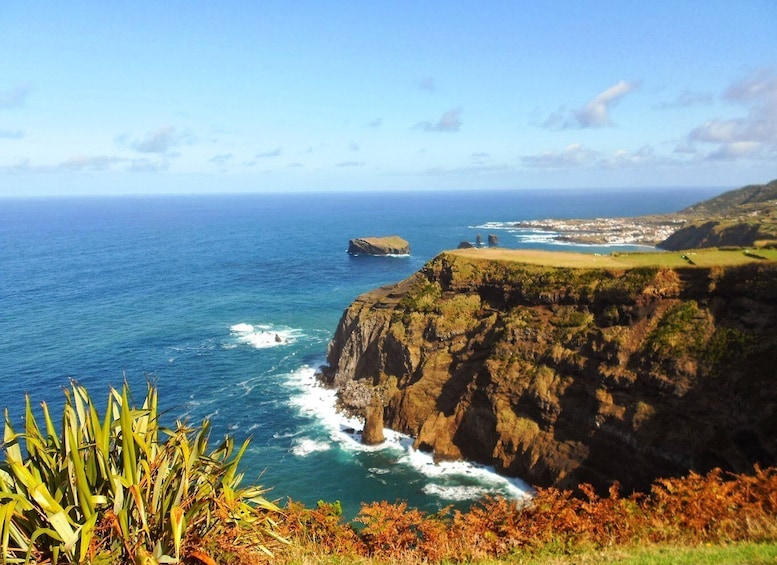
373	425
387	245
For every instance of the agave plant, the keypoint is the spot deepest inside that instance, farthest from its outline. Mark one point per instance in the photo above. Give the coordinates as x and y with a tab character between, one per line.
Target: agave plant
119	488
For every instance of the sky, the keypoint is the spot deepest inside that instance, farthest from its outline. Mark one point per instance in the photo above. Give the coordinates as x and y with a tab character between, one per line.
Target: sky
149	97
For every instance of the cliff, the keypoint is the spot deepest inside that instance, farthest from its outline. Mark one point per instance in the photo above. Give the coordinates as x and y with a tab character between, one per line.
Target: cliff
564	374
388	245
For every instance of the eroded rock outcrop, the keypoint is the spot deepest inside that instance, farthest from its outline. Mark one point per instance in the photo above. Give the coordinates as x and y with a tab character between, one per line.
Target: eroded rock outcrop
373	422
388	245
563	375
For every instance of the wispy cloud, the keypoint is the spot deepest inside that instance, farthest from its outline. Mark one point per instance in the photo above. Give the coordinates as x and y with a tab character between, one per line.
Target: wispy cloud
221	159
376	123
160	141
269	153
350	164
11	134
595	114
86	163
471	170
148	165
571	157
15	97
96	163
752	136
687	99
450	121
427	84
576	156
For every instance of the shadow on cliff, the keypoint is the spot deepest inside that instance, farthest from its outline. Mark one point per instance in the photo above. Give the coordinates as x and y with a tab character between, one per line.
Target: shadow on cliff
723	415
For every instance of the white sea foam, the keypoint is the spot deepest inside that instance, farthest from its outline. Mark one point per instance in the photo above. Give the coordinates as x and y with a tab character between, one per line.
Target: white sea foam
305	446
457	493
264	336
450	472
456	481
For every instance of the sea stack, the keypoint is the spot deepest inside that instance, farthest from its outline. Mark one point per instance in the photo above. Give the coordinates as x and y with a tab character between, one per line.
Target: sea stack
373	424
387	245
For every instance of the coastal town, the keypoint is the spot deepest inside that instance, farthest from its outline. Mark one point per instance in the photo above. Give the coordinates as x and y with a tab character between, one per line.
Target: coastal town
643	230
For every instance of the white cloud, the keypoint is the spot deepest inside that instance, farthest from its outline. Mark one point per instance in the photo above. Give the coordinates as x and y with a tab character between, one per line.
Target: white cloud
449	121
14	97
350	164
753	135
736	150
594	114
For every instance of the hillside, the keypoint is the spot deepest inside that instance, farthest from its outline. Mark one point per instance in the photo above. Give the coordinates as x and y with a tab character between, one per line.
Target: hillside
734	201
746	217
562	373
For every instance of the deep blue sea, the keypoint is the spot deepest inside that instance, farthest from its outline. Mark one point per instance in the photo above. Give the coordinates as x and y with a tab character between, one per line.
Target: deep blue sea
195	292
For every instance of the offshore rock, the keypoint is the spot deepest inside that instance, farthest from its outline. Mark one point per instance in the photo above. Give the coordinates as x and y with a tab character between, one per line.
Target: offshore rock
373	424
388	245
567	375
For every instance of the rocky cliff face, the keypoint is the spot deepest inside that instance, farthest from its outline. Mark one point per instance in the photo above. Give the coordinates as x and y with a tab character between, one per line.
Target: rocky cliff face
562	375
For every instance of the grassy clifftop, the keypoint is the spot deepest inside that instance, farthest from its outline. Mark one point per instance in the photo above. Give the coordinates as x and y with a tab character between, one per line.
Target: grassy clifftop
709	257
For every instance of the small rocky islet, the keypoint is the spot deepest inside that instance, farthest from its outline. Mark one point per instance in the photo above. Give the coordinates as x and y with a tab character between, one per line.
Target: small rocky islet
378	246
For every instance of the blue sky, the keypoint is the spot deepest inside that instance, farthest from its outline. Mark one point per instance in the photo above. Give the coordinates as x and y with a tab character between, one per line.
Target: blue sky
231	96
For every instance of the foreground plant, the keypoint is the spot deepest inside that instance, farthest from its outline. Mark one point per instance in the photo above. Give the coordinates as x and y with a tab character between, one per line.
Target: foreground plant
119	488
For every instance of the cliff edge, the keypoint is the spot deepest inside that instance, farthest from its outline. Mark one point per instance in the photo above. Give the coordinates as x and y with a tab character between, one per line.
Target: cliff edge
602	371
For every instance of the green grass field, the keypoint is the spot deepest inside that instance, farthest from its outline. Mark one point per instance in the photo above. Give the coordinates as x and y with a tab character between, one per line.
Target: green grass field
698	257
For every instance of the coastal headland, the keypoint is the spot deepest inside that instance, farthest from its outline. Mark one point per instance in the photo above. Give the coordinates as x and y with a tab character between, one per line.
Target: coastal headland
564	368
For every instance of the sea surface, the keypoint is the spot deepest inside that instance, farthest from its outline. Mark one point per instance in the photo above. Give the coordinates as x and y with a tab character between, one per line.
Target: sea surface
227	303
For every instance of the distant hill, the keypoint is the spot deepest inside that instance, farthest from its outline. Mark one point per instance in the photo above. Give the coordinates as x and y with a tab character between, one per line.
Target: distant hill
735	201
745	217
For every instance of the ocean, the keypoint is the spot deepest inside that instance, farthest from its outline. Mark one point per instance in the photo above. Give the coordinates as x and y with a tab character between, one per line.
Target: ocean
227	303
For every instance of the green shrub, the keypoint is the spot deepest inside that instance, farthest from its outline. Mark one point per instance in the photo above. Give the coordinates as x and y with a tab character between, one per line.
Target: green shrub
118	488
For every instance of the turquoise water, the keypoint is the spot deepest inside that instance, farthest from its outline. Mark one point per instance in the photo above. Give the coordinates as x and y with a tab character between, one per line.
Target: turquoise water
228	302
